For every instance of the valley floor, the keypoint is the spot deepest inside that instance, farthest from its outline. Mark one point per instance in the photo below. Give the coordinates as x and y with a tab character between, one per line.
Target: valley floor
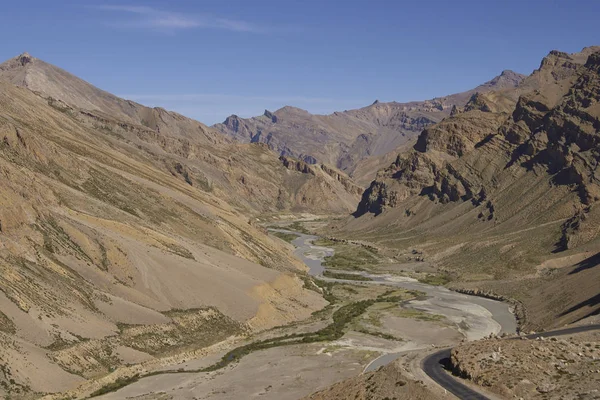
373	319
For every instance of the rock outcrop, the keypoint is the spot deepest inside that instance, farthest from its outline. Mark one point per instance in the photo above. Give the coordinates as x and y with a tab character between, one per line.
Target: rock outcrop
446	163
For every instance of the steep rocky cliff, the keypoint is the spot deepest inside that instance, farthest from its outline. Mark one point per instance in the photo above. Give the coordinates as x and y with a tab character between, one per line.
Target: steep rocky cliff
538	130
505	184
325	187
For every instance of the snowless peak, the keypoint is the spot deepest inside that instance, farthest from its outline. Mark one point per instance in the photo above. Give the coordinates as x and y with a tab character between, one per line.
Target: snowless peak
25	58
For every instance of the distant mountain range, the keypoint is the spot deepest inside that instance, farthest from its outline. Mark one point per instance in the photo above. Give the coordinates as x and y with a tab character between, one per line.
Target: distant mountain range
252	178
344	139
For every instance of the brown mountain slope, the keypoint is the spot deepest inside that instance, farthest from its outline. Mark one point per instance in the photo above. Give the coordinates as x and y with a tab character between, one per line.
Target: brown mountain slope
344	138
51	81
107	258
494	192
251	178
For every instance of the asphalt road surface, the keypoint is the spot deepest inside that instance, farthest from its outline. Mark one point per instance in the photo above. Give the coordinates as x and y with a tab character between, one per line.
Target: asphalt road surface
434	364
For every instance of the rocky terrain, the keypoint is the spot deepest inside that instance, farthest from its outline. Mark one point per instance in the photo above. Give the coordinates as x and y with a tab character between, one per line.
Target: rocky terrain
344	139
502	194
554	368
129	243
388	383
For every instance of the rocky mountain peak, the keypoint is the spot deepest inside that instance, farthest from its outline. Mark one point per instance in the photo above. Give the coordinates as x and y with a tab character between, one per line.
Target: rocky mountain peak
232	121
510	74
291	110
554	58
559	53
593	62
270	115
25	58
17	63
478	102
506	79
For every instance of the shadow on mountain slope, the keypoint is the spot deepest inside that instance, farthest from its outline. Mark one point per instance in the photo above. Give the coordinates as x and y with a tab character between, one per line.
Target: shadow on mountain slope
590	262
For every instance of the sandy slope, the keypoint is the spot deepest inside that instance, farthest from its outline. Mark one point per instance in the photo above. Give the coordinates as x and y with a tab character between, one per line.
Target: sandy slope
106	259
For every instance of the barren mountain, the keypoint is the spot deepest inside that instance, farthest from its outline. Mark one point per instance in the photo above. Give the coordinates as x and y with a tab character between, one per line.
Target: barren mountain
345	138
123	242
251	178
504	193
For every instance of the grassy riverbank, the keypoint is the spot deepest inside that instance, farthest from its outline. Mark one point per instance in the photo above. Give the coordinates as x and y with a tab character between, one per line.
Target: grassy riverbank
349	257
348	303
288	237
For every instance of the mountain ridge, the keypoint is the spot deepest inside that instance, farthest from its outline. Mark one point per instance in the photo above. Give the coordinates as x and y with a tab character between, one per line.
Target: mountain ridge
503	188
344	138
183	146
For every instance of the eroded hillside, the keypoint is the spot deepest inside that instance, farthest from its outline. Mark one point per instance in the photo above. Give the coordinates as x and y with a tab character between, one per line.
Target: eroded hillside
111	253
249	177
503	193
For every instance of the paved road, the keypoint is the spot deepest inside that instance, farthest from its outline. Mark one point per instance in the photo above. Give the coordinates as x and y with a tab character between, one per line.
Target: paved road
433	365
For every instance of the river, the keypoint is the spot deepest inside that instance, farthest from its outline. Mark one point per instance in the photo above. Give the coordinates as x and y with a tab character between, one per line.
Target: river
475	317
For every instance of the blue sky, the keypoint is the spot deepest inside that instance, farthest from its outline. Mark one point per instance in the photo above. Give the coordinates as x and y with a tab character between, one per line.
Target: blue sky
211	58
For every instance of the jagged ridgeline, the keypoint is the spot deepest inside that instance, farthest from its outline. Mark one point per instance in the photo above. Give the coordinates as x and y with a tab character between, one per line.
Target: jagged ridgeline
352	140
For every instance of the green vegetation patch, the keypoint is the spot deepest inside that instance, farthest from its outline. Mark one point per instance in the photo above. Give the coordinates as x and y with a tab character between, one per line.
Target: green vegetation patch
351	258
388	304
116	385
324	242
417	314
345	276
382	335
191	328
298	227
342	320
435	279
288	237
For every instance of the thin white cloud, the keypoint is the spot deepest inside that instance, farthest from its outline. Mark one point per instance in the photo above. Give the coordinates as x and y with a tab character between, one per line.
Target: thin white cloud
152	18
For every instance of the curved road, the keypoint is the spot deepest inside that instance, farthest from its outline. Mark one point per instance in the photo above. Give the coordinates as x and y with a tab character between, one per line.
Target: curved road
434	364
